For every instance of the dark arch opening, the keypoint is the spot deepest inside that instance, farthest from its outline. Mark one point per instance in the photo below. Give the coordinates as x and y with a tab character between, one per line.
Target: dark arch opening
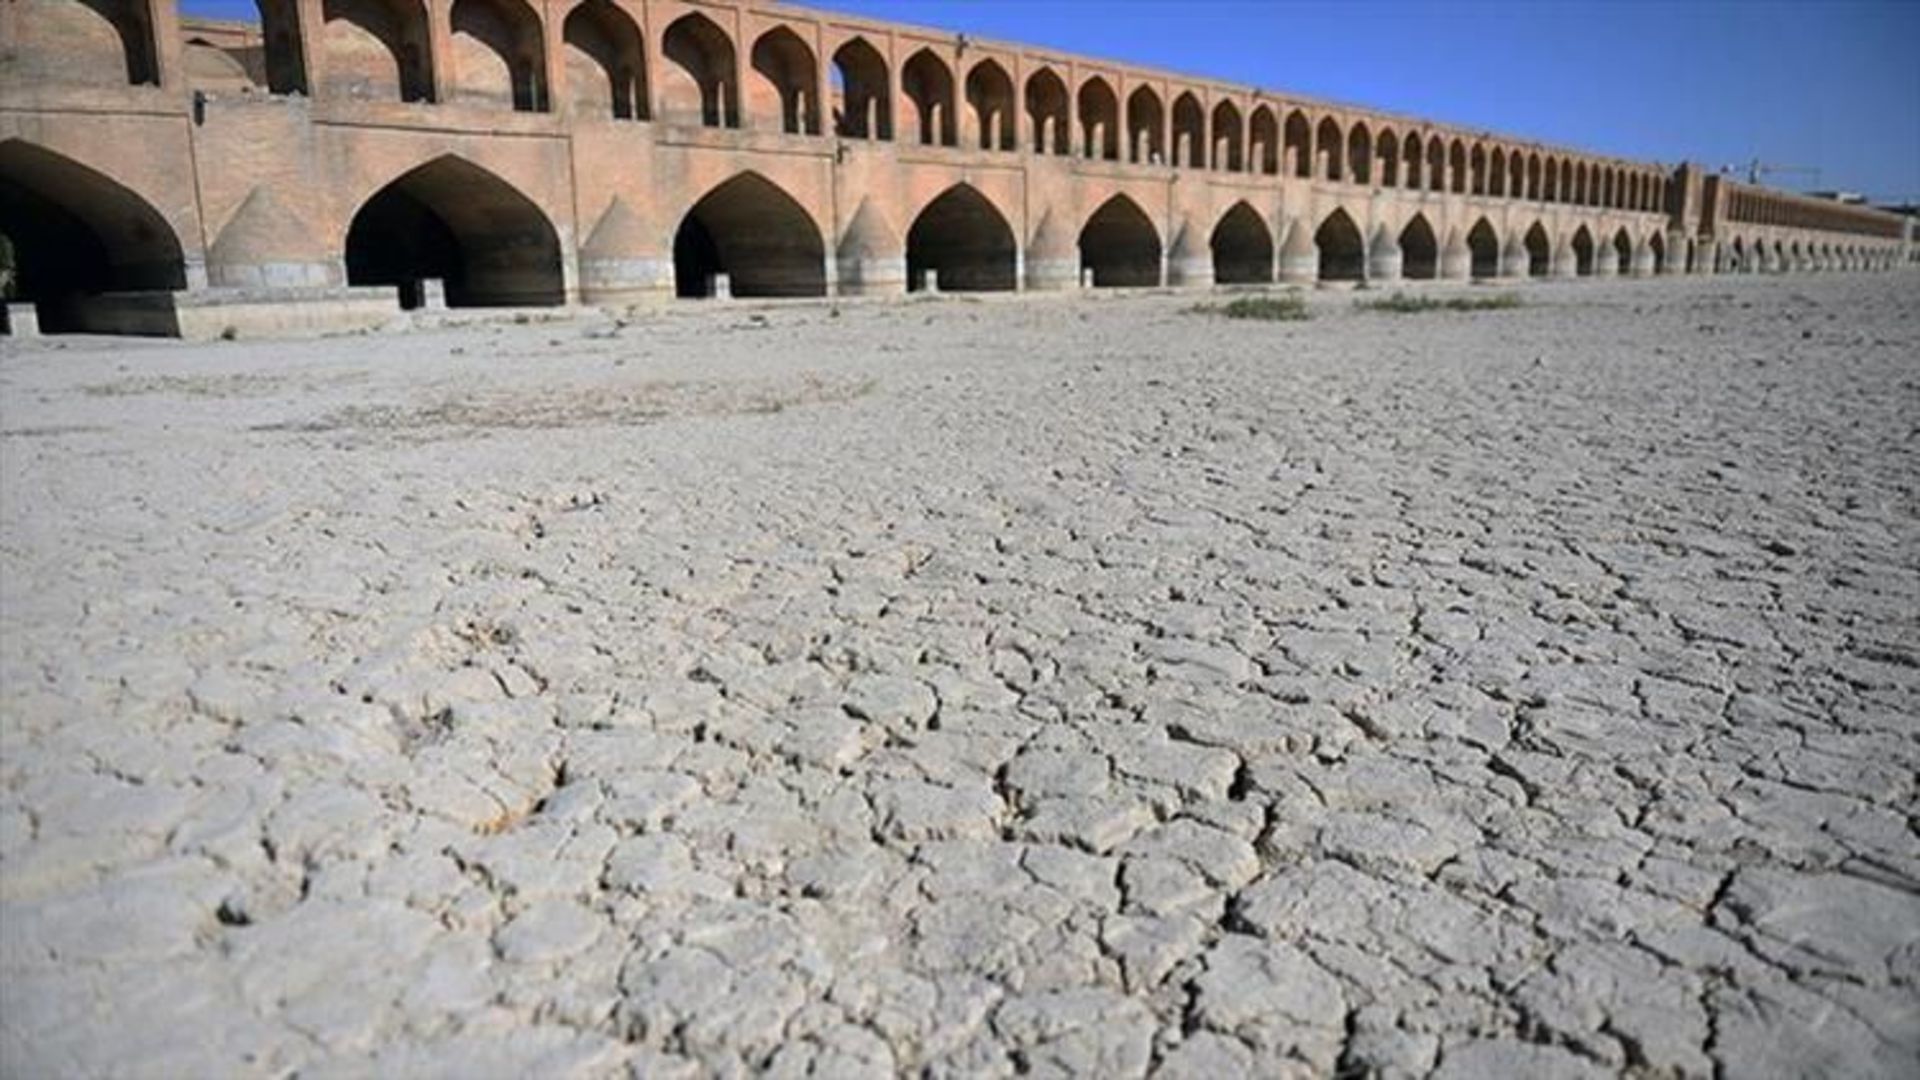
452	220
606	62
1623	250
1047	114
862	77
377	49
1659	247
929	86
76	233
1120	246
1189	133
756	234
499	54
1539	252
1242	248
95	42
990	95
787	81
1343	253
962	238
1485	246
1146	143
701	86
1419	250
1099	120
1263	142
1582	252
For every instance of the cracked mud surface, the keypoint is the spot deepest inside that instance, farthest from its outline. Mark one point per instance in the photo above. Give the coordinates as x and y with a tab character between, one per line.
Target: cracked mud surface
1055	687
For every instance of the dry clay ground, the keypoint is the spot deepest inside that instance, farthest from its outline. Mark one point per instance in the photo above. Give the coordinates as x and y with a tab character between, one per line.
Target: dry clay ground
1055	686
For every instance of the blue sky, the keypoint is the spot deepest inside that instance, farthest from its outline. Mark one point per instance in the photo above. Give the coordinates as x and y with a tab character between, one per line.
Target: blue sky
1832	84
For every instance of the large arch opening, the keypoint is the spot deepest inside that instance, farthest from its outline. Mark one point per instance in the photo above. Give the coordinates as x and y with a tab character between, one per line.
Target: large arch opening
1099	120
90	42
1189	132
605	62
757	235
75	233
1623	250
1539	251
1120	246
499	59
377	50
1484	244
1343	253
1047	113
786	82
1146	120
1582	252
929	89
863	109
963	239
452	220
1242	248
1228	151
1419	250
699	85
990	96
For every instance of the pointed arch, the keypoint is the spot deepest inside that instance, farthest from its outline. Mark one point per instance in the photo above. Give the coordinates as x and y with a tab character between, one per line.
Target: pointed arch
1539	251
498	52
1533	177
1623	250
964	239
1330	142
1047	113
1419	250
1299	145
699	85
376	50
1516	176
1436	163
754	232
1582	252
1343	253
76	232
453	220
1146	127
605	66
1484	243
1242	247
1228	149
990	96
787	82
865	106
927	83
1477	169
1386	152
1580	184
1120	246
1414	156
85	42
1658	245
1360	153
1263	142
1099	119
1497	173
1457	166
1189	132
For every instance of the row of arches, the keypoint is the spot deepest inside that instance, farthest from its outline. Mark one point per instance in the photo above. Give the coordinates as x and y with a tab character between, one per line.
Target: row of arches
76	232
379	49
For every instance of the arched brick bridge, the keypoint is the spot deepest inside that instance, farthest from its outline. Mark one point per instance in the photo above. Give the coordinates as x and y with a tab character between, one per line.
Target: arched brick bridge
160	174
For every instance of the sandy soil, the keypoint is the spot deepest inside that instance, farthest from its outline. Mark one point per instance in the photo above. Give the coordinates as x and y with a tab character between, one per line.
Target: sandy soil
1064	686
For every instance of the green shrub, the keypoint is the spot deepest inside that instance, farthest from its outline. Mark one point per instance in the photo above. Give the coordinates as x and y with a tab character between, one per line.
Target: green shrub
1400	303
1287	307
